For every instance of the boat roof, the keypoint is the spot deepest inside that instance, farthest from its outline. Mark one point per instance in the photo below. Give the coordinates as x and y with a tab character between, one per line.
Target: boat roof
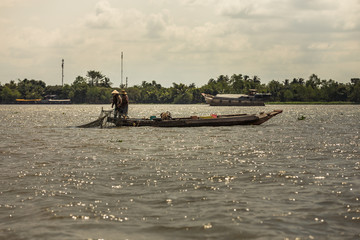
231	95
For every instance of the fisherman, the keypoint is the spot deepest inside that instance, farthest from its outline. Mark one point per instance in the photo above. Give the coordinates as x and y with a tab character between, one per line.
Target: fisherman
124	107
116	100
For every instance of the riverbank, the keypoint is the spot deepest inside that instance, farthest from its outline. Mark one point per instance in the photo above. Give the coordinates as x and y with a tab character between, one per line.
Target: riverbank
311	103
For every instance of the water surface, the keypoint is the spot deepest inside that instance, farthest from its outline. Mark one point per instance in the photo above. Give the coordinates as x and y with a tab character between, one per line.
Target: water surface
283	179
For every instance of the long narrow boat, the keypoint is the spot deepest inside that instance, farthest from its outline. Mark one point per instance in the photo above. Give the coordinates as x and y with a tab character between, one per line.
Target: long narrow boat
193	121
252	99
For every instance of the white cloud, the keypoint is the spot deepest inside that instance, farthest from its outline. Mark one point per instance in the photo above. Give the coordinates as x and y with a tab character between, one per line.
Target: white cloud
156	25
12	3
321	46
192	38
347	16
238	9
105	16
198	2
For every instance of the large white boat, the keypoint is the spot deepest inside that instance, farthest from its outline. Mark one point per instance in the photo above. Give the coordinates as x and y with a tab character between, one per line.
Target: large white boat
252	99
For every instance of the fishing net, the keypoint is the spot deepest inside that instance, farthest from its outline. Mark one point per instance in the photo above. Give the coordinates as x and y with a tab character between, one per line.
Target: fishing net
100	122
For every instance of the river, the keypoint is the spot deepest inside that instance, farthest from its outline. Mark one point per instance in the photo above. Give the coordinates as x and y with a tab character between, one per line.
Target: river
285	179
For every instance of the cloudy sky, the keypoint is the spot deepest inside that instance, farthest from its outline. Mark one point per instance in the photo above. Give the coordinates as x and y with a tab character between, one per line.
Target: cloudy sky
181	41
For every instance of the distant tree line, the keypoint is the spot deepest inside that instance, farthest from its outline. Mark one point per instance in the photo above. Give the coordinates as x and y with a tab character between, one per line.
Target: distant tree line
95	87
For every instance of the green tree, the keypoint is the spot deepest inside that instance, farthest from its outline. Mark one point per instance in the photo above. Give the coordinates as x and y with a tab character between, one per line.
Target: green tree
181	94
65	92
134	94
333	91
311	94
288	96
93	95
355	92
31	89
60	91
313	81
96	78
196	94
223	84
237	83
8	94
96	88
298	91
105	82
79	89
275	88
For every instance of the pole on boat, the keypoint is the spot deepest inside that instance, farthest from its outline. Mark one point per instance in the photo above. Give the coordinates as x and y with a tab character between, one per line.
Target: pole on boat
122	59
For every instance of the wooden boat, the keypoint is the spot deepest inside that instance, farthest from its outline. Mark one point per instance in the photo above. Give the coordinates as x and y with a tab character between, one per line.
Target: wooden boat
53	99
56	101
106	116
252	99
28	101
47	100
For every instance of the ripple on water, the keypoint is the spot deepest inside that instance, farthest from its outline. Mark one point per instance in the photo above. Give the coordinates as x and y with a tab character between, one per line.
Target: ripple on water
284	179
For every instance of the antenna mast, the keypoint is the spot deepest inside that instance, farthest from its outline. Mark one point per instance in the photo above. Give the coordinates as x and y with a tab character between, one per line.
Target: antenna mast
62	72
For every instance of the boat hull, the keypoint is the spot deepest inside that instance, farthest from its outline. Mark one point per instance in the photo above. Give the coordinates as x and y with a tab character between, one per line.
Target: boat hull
236	99
236	103
225	120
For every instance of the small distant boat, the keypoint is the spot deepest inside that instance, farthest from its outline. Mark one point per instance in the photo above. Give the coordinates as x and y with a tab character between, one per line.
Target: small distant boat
28	101
49	99
166	120
53	99
56	101
252	99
